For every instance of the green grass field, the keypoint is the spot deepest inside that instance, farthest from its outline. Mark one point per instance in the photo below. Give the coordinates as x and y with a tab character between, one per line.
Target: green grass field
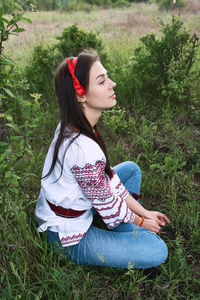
165	145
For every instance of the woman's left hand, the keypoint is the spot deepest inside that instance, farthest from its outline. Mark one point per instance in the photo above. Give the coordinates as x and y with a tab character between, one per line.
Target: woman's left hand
158	217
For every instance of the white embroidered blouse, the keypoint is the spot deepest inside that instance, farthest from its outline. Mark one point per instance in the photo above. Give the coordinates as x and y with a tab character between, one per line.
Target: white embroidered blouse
83	185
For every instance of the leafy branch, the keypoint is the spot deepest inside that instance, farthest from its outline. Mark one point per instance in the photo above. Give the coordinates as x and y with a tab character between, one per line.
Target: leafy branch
7	27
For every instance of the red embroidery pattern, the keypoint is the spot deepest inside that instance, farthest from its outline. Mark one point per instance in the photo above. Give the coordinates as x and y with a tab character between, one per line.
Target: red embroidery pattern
117	187
122	192
129	218
95	184
108	207
113	215
93	181
72	239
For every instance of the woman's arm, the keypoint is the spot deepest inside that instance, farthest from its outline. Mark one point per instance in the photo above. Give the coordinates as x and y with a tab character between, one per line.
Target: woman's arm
96	185
135	206
152	219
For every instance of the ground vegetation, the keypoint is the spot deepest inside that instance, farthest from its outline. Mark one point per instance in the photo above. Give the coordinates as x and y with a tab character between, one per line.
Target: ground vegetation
159	131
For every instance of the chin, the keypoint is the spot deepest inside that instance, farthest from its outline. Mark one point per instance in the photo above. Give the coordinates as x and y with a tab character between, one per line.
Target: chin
113	104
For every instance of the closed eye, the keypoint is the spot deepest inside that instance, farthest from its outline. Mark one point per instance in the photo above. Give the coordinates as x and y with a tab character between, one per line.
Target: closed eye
103	79
102	82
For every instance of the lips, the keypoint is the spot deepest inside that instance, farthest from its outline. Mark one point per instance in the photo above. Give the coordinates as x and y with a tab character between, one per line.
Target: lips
112	96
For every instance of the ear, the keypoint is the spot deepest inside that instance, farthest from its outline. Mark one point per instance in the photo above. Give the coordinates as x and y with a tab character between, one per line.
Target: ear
80	98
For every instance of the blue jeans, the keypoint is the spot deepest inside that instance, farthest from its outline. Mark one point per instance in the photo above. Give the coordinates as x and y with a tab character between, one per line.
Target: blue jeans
127	245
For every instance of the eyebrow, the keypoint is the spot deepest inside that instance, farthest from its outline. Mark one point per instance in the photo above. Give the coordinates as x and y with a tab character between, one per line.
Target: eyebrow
101	75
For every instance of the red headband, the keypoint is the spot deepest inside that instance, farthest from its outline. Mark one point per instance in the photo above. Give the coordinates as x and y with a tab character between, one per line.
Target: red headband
71	67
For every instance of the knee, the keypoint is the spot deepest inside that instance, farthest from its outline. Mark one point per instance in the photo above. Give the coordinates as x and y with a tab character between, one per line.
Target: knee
160	253
134	168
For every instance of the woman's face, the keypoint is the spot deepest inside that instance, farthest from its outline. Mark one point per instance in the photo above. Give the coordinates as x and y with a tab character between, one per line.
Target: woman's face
100	94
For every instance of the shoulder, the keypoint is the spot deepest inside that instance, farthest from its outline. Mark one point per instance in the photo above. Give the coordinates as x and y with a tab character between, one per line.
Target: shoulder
78	140
86	143
84	150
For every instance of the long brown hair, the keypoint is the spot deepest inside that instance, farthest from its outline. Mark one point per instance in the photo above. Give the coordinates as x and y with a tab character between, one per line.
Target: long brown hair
71	111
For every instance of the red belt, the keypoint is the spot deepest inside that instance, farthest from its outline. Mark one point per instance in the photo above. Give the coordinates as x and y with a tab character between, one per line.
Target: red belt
135	196
64	212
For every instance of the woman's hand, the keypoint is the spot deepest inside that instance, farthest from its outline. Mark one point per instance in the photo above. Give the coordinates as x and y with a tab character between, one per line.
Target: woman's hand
148	223
139	210
157	216
151	225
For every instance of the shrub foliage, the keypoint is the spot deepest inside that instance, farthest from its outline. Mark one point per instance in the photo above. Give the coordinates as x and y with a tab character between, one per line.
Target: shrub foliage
14	134
167	4
162	68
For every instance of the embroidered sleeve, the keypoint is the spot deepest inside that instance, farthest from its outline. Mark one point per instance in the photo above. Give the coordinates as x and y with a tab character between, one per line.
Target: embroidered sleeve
96	185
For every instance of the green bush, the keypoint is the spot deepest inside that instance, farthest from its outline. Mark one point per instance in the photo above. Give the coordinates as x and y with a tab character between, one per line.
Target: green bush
15	130
8	26
120	3
73	40
45	4
75	5
9	6
170	3
40	70
163	69
138	0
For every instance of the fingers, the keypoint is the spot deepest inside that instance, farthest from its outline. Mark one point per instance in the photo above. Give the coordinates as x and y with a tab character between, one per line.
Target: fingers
152	225
159	217
165	218
155	221
161	221
155	229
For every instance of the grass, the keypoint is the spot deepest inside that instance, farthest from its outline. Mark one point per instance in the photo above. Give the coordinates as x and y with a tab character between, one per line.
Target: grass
165	148
30	271
164	144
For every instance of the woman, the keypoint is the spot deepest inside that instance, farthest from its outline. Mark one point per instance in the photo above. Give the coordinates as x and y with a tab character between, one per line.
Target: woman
78	180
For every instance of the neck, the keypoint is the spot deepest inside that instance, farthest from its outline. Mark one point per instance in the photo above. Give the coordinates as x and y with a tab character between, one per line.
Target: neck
92	115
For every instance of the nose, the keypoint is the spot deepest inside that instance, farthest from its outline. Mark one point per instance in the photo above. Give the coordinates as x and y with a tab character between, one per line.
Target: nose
112	84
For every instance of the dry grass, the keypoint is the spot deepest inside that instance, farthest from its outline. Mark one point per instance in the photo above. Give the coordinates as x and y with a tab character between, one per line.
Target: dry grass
193	7
136	23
